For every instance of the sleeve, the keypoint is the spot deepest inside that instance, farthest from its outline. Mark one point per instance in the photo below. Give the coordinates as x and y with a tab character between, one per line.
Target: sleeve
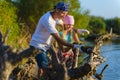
50	26
59	22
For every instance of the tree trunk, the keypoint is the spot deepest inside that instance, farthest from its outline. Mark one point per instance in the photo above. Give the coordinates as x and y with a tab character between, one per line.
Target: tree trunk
9	60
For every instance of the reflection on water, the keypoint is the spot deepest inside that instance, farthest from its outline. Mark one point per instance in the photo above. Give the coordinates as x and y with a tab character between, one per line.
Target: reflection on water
111	51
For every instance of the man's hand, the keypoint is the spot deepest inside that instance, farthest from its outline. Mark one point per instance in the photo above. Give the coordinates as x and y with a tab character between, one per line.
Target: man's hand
77	45
87	49
82	48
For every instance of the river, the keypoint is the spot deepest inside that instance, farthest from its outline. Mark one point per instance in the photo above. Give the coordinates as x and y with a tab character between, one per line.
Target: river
111	51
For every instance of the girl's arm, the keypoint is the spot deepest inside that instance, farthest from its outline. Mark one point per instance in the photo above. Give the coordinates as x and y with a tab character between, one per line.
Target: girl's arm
75	36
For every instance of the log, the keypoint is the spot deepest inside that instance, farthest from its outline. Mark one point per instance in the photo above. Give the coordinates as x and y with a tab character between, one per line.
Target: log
62	73
57	70
9	60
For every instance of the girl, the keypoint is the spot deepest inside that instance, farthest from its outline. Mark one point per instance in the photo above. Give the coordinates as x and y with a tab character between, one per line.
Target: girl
70	35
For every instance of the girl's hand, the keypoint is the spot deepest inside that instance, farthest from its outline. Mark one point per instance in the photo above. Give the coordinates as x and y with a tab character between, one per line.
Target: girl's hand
82	31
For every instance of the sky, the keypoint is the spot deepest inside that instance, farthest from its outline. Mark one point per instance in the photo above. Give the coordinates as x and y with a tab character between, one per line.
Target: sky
104	8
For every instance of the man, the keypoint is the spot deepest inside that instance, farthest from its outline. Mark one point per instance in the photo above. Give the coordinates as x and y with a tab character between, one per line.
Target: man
46	29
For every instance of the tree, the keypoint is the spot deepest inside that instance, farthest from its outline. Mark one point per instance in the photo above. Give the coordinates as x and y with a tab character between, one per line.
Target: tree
8	24
81	17
114	24
30	11
97	25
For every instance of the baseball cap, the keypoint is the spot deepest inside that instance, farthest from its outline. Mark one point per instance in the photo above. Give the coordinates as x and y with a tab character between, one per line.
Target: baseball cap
62	6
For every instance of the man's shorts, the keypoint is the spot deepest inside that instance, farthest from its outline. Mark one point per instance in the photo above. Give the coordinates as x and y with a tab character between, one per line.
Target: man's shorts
42	59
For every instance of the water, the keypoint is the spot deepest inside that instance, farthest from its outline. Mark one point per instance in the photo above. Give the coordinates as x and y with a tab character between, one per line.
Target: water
111	51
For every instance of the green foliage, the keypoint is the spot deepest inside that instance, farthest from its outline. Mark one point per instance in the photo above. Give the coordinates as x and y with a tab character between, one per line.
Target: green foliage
81	18
114	24
8	24
29	11
97	25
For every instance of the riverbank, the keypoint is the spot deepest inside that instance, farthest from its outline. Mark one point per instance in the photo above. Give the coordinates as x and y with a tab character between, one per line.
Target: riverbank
115	37
109	36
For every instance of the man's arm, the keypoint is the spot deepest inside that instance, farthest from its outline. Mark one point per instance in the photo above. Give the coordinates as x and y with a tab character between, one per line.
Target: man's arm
61	41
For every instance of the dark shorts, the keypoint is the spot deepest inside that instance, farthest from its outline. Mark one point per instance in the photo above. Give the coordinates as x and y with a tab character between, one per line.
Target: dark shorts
42	59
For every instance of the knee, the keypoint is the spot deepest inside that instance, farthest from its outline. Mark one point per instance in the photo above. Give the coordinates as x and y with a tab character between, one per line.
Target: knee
41	60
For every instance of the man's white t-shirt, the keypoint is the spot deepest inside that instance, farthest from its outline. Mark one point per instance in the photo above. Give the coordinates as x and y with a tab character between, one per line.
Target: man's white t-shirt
41	38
